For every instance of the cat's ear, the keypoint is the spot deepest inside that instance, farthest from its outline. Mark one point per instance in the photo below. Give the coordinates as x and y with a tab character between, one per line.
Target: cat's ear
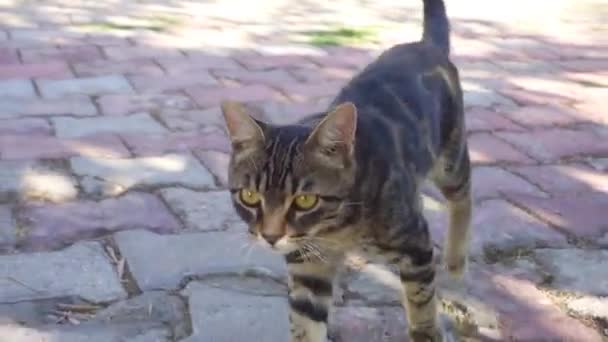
334	136
244	131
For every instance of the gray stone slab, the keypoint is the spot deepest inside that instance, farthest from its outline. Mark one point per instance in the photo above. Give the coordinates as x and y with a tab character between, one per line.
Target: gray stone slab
140	123
576	270
114	176
109	84
374	284
163	261
8	233
17	88
86	333
82	270
264	318
205	211
29	179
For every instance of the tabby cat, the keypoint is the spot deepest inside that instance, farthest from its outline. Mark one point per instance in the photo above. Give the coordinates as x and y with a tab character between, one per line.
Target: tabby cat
347	180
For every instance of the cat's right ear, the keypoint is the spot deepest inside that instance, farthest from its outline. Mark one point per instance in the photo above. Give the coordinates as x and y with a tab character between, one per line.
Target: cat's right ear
244	131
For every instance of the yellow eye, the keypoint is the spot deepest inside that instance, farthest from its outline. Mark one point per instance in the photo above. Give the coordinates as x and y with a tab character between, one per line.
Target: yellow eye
250	197
305	202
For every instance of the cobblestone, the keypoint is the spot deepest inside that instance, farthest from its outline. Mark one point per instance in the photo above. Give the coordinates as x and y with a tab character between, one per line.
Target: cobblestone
115	176
82	270
186	255
136	123
17	88
54	89
31	180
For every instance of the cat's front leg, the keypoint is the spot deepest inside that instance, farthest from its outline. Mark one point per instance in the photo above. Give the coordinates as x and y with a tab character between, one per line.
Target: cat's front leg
310	298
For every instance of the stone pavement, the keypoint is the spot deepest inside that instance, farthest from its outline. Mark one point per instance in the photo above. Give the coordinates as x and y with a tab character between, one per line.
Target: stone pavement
114	220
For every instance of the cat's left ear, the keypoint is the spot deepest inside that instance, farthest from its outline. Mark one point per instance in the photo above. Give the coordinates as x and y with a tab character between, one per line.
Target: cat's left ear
244	131
334	136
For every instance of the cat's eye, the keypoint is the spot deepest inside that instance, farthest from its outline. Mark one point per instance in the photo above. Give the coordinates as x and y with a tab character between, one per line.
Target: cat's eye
306	202
250	197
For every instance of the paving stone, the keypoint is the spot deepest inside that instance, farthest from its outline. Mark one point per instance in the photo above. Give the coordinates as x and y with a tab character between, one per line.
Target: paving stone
164	83
554	115
600	164
118	175
128	68
213	96
193	120
481	119
205	211
136	123
9	56
196	63
322	74
271	62
362	324
491	182
87	333
23	147
217	163
289	113
27	179
121	104
74	106
523	312
374	284
499	226
303	92
154	145
485	148
266	318
109	84
199	254
71	54
250	283
40	70
589	306
564	178
476	94
576	270
17	88
580	214
25	127
554	144
267	77
51	226
153	306
137	52
81	270
8	232
529	97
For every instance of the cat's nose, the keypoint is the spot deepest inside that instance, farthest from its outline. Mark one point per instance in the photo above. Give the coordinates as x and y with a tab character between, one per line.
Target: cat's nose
271	238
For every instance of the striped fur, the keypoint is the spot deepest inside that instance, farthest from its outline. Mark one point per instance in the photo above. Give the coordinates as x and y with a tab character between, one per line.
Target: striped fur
397	123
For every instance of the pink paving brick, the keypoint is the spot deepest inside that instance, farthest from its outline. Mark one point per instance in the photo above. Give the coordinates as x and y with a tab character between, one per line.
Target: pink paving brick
322	74
123	53
105	40
305	91
492	182
554	144
72	54
565	178
526	97
216	162
123	104
152	145
272	62
485	148
8	56
344	57
100	85
549	115
198	63
173	82
25	127
582	214
73	106
525	312
53	226
586	65
482	119
277	77
288	113
105	67
44	147
45	70
213	96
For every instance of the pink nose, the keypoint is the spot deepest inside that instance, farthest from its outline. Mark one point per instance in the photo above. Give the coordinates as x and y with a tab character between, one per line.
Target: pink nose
272	239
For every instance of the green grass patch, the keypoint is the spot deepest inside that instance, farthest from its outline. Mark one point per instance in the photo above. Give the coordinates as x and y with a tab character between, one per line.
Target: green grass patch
155	24
341	36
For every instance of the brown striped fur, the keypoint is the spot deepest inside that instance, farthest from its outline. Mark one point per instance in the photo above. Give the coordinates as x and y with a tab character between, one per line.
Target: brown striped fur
399	122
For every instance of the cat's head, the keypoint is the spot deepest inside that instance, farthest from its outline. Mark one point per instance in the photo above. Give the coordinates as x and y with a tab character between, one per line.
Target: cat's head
290	183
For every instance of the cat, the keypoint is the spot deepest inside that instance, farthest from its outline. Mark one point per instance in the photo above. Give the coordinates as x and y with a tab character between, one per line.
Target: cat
347	180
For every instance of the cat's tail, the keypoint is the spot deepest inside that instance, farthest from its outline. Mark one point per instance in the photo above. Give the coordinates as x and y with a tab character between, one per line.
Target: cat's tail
436	29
